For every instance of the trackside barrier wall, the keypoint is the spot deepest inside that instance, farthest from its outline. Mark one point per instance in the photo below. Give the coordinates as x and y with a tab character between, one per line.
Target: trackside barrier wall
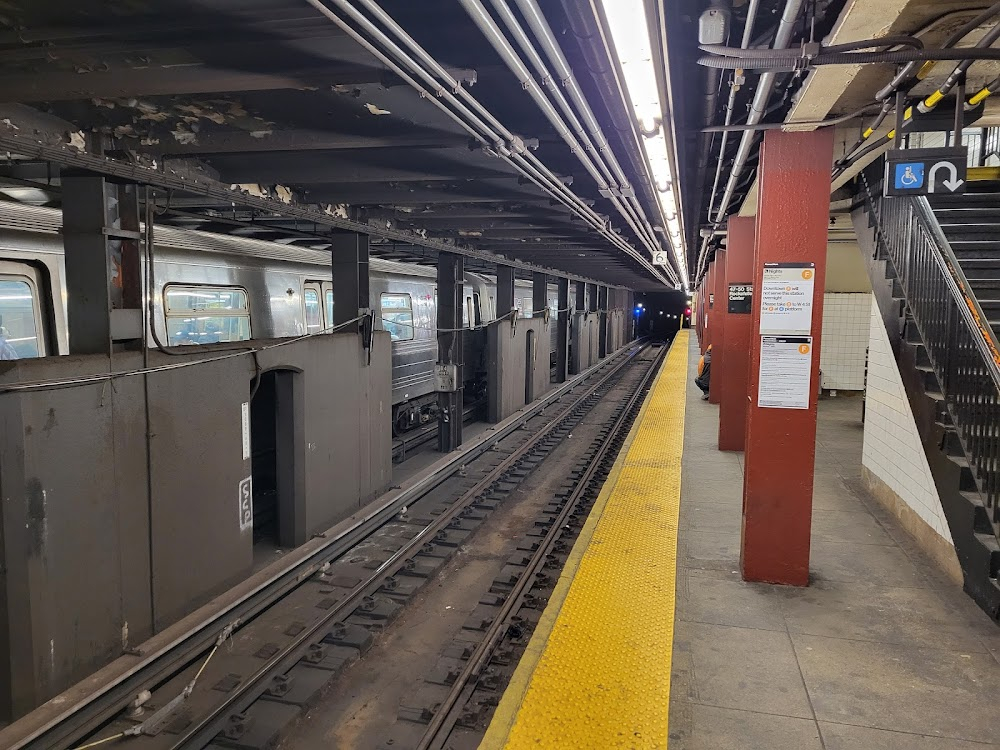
585	341
108	535
507	351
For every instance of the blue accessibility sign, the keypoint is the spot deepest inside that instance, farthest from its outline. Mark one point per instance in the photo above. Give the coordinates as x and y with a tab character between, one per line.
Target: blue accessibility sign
926	171
909	175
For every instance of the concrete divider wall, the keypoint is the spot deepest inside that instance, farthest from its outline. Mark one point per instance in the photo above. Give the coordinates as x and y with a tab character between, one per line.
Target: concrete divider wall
103	542
585	341
507	357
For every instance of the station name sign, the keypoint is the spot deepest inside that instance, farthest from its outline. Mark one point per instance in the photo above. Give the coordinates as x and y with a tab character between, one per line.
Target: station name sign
926	171
740	299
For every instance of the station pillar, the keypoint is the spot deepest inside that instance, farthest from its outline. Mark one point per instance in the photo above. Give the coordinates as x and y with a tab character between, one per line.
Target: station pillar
581	297
793	211
562	331
539	293
350	279
735	347
718	328
505	290
103	277
451	351
709	311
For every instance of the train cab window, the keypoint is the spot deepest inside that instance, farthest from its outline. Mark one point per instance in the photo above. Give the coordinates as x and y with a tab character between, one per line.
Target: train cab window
19	319
467	314
328	297
206	315
314	313
397	316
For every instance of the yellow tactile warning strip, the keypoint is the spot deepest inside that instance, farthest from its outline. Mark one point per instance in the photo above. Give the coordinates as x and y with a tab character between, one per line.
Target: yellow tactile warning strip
597	670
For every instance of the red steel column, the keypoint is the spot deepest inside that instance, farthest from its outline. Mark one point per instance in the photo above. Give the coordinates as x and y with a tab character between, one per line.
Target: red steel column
793	214
719	331
736	343
708	308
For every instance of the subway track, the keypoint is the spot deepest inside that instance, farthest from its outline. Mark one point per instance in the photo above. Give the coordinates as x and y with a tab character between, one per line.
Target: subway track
436	682
241	678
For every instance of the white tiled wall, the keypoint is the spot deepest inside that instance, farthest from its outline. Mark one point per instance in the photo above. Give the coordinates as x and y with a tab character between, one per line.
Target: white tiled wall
845	339
892	449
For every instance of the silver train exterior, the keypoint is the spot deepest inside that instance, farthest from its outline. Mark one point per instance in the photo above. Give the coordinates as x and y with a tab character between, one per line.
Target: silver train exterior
215	288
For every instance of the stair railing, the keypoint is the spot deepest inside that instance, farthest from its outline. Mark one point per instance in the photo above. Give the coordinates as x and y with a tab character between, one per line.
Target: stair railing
960	344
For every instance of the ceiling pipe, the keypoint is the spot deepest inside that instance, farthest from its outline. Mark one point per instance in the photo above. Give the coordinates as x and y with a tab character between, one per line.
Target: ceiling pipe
764	88
713	24
599	171
730	107
510	150
543	32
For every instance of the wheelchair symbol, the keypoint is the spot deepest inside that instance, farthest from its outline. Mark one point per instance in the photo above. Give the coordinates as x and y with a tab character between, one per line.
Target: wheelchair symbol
909	176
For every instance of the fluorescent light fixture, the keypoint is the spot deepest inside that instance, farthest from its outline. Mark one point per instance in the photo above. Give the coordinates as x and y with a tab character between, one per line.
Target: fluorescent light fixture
629	29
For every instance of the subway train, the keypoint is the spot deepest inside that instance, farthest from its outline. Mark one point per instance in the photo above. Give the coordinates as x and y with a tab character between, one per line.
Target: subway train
213	288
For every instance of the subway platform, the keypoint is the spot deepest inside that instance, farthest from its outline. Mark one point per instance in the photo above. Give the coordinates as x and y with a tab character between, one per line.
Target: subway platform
652	639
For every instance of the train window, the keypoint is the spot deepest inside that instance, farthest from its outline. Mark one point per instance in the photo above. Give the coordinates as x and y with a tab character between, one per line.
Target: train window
477	308
328	294
397	316
467	313
314	313
18	318
206	315
525	307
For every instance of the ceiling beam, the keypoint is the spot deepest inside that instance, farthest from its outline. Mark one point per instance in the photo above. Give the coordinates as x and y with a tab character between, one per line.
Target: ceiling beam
241	141
28	145
317	169
171	81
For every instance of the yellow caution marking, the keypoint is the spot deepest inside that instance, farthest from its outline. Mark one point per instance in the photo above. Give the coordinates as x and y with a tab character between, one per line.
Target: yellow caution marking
983	173
597	670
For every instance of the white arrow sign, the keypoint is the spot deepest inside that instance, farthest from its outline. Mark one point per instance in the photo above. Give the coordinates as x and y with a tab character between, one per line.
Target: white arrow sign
659	259
952	183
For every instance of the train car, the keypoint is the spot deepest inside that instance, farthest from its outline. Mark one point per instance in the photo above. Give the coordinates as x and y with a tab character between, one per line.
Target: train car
212	288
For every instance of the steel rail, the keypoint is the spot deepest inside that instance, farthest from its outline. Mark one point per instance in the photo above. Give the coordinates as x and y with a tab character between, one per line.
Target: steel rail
76	717
447	714
202	731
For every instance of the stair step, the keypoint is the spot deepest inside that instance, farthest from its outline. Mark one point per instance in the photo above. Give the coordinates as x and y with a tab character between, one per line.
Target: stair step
982	251
967	482
980	516
959	215
967	200
989	541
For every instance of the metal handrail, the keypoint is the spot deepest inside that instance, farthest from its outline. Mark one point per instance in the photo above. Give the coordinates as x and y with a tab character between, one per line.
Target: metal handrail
960	344
961	290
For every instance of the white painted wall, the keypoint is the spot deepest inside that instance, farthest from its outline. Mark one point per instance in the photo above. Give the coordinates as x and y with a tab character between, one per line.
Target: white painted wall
892	449
846	324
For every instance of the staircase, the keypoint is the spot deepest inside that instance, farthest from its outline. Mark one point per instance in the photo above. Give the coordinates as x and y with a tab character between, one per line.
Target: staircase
935	271
971	224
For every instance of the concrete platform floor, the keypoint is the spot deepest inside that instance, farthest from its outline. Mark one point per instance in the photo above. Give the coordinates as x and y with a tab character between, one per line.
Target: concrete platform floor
880	651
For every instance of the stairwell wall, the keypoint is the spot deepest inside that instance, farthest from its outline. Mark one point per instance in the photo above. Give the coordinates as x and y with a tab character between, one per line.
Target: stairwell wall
894	464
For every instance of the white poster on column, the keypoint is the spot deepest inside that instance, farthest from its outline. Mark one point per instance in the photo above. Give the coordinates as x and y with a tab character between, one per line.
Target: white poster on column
786	299
785	372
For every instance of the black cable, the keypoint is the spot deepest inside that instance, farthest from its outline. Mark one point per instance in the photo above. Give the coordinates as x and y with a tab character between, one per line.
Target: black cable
790	125
784	65
796	52
910	70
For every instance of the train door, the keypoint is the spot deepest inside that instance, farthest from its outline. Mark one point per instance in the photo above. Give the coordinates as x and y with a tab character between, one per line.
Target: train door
312	296
327	288
22	329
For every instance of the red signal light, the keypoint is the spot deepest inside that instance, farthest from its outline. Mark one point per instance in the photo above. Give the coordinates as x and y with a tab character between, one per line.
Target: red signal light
687	311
